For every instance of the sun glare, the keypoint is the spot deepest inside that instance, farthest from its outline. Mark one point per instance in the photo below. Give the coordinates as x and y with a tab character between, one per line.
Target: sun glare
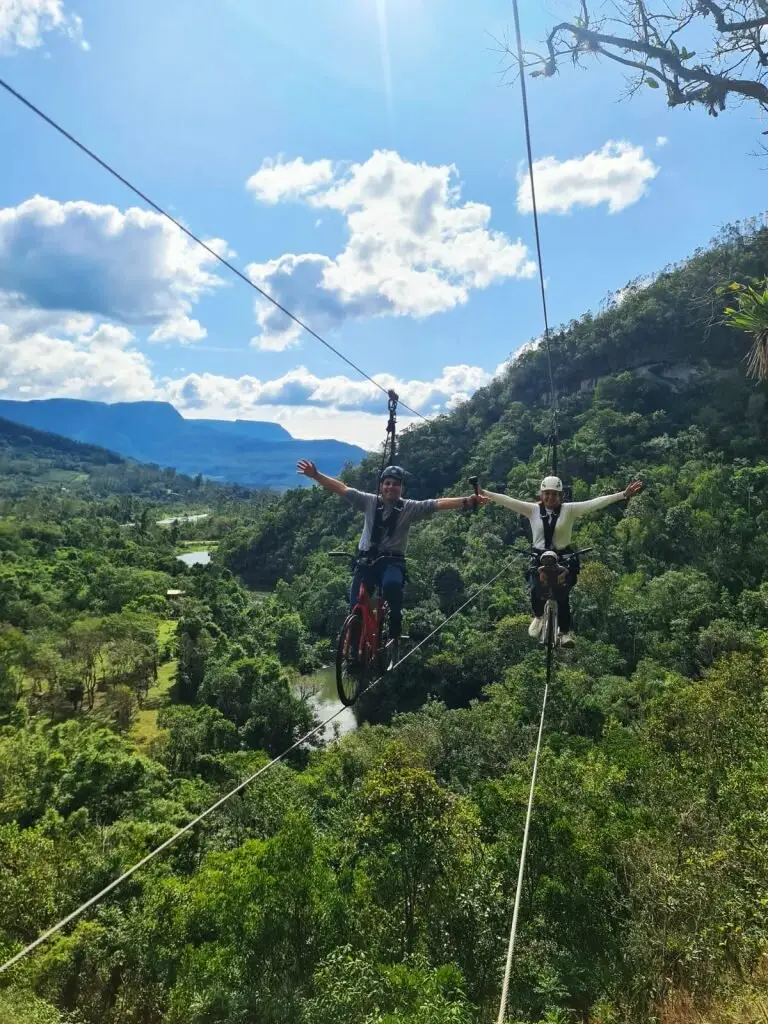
386	63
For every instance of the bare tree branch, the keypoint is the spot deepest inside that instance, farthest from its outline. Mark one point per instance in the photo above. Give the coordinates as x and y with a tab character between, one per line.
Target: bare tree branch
730	26
646	41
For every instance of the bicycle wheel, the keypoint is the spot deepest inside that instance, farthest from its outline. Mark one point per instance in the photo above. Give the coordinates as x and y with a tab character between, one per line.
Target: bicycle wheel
388	652
549	628
352	668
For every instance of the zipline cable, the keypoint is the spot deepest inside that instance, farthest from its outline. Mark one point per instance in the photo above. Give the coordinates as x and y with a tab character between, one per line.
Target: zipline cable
237	789
526	119
524	850
230	266
552	441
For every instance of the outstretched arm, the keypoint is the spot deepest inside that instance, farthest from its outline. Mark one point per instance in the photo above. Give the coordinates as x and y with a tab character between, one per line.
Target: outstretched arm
473	501
330	483
581	508
525	508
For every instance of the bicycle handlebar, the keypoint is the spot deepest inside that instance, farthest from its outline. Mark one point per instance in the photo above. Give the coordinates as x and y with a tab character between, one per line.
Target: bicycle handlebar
350	556
565	554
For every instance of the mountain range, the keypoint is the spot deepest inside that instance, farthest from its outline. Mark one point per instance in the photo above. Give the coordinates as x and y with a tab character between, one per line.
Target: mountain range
248	452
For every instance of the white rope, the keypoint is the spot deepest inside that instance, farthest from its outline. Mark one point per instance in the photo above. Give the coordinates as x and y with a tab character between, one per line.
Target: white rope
529	812
521	872
227	796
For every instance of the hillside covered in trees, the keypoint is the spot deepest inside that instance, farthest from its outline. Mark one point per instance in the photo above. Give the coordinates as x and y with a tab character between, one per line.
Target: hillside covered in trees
371	881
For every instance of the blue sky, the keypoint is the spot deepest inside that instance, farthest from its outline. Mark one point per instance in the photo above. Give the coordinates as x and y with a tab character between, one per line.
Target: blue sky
361	158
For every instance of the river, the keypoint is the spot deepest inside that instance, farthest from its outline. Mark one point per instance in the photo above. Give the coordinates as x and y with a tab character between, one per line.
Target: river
195	557
320	688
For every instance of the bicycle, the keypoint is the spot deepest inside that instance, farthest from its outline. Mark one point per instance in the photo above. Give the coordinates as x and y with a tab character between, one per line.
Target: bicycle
554	568
364	643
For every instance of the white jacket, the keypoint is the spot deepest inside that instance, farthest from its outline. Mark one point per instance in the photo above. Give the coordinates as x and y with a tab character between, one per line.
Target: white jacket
570	511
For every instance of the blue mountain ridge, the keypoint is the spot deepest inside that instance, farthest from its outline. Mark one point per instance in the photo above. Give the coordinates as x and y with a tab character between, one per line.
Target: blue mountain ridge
248	452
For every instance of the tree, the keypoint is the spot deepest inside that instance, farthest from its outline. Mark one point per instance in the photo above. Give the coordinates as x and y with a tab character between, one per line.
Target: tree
13	655
350	988
733	63
412	836
191	733
751	315
18	1006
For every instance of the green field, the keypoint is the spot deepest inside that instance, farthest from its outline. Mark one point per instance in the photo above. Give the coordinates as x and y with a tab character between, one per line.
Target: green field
145	728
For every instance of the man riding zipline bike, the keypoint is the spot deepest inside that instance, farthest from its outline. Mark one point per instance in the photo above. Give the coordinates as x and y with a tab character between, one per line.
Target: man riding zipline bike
388	518
552	523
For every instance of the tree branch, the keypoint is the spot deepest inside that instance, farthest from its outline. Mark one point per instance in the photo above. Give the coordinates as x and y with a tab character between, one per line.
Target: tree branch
731	26
596	41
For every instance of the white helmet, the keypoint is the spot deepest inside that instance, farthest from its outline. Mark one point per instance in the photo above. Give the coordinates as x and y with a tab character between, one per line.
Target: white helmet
551	483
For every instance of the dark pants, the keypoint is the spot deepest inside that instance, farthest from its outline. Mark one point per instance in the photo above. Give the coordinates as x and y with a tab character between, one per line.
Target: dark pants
562	594
390	576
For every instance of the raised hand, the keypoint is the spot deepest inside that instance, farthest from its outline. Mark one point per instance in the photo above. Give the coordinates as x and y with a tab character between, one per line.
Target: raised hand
632	488
307	468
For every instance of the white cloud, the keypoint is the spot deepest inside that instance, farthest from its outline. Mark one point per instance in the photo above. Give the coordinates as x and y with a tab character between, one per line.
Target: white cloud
244	396
316	407
179	328
24	22
80	257
92	362
661	140
82	357
632	289
618	175
276	180
105	335
413	248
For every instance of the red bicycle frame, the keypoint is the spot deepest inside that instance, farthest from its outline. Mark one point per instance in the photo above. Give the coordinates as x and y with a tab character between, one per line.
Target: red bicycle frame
372	615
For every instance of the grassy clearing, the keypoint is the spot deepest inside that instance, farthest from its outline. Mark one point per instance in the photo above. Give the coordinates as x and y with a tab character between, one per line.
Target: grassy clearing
197	545
145	727
64	476
166	628
749	1007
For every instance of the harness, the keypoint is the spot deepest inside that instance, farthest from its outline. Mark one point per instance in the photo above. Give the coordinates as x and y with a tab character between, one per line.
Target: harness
384	529
549	523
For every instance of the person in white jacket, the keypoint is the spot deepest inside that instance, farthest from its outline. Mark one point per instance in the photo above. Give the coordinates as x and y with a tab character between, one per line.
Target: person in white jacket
552	522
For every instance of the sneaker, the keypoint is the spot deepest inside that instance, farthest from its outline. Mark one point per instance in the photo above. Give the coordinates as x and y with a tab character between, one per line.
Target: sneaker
535	628
566	640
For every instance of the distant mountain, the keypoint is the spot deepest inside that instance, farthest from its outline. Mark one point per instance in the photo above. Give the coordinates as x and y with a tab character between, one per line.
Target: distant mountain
255	429
247	452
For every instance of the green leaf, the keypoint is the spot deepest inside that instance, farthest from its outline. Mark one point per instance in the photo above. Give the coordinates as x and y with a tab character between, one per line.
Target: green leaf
652	83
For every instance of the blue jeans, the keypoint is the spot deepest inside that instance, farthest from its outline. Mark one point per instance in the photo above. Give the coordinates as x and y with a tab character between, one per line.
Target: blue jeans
390	576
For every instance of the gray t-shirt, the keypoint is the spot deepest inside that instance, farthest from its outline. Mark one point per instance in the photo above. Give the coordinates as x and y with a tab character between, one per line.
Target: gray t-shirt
411	513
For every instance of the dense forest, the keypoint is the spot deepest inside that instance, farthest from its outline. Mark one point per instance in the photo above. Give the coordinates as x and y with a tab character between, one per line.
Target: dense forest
369	880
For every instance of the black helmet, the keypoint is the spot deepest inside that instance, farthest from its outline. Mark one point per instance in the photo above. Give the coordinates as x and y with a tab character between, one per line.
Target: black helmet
392	473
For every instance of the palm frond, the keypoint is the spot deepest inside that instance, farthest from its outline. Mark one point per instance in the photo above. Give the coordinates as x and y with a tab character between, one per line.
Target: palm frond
751	315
